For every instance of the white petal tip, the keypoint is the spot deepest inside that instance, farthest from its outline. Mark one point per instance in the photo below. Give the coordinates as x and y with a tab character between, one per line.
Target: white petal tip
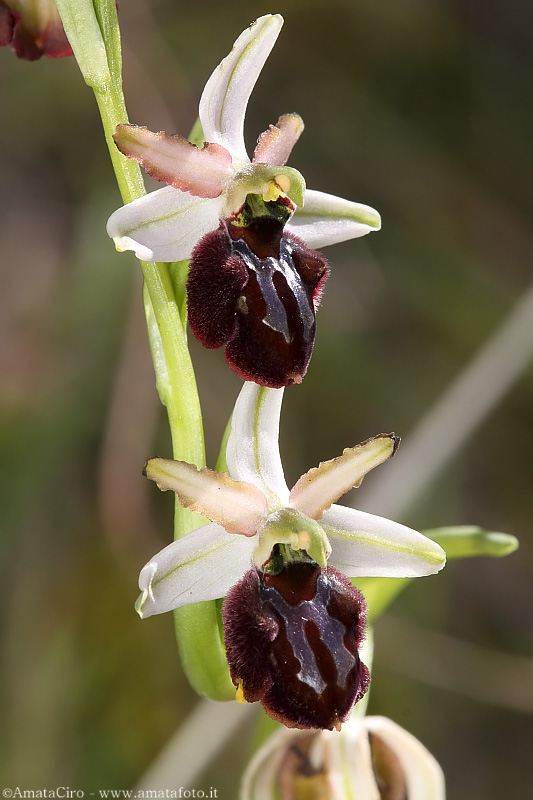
146	576
434	558
139	604
272	20
123	243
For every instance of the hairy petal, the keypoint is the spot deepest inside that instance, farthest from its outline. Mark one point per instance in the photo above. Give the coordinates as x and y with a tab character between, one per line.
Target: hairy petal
315	491
203	565
236	505
274	146
226	94
164	225
175	161
326	219
365	545
252	453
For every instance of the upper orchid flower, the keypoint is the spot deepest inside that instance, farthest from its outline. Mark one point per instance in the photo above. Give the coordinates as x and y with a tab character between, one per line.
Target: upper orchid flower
33	28
253	285
283	554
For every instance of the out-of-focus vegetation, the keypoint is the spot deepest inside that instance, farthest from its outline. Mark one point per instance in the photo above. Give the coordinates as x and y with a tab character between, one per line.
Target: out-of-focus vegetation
419	109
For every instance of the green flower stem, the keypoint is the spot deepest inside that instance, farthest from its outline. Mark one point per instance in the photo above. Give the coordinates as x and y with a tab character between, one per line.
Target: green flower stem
85	36
127	171
93	31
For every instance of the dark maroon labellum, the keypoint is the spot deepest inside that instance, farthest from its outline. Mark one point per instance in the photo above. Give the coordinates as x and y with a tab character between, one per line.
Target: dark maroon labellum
292	642
254	288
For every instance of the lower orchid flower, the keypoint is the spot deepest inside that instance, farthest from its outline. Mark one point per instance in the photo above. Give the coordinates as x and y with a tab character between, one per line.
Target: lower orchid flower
373	758
293	621
247	226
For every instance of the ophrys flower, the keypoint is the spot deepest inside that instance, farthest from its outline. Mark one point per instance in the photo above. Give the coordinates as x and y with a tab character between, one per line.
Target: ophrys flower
284	556
254	282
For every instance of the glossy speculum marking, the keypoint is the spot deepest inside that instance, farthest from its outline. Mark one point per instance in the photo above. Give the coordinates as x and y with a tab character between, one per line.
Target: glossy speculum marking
255	288
293	643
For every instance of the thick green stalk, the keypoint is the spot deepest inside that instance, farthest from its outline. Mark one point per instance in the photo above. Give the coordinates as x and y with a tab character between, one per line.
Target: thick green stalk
92	28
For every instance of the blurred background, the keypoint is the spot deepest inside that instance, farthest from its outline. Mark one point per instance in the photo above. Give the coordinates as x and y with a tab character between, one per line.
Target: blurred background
422	110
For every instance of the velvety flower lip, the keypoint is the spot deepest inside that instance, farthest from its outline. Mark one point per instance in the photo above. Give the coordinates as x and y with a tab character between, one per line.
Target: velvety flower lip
254	288
211	183
252	511
372	757
33	28
293	638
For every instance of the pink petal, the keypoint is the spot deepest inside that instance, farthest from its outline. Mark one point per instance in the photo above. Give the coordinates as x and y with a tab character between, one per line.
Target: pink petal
236	505
315	491
274	146
175	161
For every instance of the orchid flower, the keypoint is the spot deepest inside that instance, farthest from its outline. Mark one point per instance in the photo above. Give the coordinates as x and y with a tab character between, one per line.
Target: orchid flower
252	510
254	282
371	758
33	28
272	549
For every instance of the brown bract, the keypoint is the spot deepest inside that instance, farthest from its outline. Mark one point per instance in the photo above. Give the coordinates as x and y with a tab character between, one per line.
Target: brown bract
33	30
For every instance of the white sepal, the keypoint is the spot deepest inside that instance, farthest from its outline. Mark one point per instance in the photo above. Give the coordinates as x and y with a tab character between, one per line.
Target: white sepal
225	97
326	219
164	225
365	545
203	565
252	452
